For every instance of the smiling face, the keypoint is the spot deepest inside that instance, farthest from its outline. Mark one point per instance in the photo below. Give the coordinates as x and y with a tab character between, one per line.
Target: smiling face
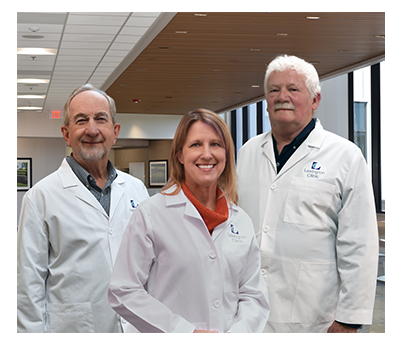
203	156
288	99
91	132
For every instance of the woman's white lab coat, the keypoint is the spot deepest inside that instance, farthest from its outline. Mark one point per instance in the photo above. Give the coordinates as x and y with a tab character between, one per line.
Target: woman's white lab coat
66	248
316	225
172	276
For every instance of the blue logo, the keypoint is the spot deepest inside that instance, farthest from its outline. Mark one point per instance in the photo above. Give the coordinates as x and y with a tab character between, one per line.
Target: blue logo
233	230
314	166
133	205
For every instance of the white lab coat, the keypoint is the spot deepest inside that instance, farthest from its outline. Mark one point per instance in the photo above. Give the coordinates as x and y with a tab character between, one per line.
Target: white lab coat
172	276
316	225
66	248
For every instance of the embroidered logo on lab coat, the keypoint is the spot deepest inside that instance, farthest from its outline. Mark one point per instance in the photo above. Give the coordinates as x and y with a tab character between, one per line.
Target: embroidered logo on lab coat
133	206
235	236
315	171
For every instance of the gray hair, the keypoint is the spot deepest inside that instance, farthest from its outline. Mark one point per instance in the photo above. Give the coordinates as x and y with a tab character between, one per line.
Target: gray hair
89	87
281	63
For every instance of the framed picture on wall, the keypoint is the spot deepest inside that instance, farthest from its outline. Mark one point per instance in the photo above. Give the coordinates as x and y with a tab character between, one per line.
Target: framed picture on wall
158	172
24	174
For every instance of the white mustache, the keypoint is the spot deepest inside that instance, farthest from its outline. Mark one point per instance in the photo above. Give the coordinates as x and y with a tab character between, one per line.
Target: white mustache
285	105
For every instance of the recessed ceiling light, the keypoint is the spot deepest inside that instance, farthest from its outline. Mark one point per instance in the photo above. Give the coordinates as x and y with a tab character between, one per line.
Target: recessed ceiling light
35	51
29	108
282	34
254	49
31	96
33	81
313	17
180	32
200	14
33	36
255	86
380	36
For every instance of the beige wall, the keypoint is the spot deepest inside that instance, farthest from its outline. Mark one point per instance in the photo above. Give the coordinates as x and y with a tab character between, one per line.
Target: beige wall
157	150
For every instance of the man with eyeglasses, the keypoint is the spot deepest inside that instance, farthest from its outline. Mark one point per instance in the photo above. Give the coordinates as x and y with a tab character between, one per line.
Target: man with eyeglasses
71	226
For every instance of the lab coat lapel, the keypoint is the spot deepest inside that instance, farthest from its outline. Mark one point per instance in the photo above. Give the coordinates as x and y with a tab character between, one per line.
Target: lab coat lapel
117	192
314	140
296	157
268	149
70	181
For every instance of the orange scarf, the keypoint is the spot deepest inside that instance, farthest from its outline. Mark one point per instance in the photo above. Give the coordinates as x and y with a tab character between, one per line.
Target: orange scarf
211	218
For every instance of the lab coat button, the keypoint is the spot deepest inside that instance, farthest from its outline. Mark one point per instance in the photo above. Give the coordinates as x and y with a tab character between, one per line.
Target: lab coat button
212	255
273	186
111	232
265	229
263	271
217	304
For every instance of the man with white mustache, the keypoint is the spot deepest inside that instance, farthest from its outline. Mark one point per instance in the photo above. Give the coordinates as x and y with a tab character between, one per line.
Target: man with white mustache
71	227
309	195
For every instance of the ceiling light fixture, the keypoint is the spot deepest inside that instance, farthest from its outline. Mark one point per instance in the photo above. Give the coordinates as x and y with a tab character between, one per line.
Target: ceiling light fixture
31	96
33	81
313	17
254	49
200	15
380	36
31	36
35	51
282	34
180	32
29	108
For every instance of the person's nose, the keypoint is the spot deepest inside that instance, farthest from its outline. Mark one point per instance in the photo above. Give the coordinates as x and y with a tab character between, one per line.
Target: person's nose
206	154
283	96
91	127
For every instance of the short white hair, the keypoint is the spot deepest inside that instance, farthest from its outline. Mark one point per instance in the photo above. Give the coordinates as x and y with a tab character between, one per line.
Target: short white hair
281	63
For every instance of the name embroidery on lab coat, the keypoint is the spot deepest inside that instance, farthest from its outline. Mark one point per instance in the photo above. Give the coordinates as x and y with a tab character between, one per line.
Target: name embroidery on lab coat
235	236
315	171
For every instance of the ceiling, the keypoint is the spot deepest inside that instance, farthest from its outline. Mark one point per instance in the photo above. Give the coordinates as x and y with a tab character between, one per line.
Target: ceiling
170	63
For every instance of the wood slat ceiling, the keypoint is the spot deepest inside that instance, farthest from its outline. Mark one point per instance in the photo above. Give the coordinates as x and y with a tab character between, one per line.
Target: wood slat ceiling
215	60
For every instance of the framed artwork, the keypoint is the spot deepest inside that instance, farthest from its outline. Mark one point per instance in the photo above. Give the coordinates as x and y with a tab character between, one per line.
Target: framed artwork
24	174
158	172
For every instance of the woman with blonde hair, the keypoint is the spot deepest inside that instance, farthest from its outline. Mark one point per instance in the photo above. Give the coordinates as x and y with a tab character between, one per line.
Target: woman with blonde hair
189	260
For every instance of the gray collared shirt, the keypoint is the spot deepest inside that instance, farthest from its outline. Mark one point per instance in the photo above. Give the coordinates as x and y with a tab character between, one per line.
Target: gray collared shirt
102	195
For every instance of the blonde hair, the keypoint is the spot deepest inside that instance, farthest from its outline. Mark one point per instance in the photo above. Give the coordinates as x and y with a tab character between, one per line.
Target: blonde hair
227	181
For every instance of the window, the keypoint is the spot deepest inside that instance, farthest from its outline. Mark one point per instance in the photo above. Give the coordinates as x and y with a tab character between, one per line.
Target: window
360	126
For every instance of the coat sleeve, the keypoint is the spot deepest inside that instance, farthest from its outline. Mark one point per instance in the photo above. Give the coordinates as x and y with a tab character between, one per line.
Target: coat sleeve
357	246
32	261
127	294
253	306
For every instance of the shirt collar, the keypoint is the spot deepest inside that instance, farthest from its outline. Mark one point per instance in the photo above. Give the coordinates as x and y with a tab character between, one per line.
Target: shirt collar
84	176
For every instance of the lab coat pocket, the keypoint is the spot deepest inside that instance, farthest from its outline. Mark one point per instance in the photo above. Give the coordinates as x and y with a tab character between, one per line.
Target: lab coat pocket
317	293
70	318
308	201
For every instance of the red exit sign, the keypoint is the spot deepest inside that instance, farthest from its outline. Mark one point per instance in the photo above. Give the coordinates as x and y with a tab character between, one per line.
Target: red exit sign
55	114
